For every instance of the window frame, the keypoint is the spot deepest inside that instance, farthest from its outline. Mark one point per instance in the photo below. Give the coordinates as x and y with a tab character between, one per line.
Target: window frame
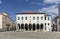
33	18
18	18
37	18
41	17
25	18
21	18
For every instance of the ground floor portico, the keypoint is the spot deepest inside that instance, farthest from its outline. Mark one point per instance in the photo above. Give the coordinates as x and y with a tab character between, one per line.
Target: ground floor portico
30	27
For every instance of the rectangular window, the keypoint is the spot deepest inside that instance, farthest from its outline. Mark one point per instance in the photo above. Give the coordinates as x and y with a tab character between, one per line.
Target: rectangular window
45	23
48	18
33	18
45	18
41	18
21	18
18	18
25	18
37	18
48	23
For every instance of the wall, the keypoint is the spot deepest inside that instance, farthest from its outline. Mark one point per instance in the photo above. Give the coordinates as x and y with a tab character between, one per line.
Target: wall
48	21
30	18
0	21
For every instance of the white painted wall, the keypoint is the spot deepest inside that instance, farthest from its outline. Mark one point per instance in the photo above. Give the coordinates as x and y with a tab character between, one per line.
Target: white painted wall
48	21
30	19
35	21
0	21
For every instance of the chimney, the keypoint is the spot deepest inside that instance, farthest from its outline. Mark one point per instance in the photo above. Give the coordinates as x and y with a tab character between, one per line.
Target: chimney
58	10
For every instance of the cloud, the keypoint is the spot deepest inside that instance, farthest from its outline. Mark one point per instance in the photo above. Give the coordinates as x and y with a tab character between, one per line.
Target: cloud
52	10
37	3
51	1
0	1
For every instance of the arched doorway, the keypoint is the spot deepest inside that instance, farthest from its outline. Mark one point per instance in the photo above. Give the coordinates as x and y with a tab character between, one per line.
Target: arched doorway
41	26
53	27
22	26
37	26
8	27
33	27
56	28
19	25
30	27
45	27
26	27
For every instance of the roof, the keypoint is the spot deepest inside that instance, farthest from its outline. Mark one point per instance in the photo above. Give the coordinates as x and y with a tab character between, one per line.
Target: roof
6	14
30	13
57	17
47	15
3	13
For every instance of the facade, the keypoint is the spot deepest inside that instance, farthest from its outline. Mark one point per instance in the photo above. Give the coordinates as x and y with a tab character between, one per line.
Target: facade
33	21
6	23
57	20
54	25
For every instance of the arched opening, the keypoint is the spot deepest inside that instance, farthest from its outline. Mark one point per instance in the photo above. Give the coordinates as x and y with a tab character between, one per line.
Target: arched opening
33	27
22	26
30	27
8	27
41	26
19	25
26	27
37	26
45	27
56	28
53	27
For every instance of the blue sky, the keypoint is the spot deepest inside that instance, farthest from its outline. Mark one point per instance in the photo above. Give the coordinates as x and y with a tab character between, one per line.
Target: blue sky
14	6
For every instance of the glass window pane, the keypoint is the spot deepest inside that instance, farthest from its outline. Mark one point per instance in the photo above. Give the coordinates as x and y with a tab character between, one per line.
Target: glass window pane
22	18
48	18
37	18
25	18
41	18
18	18
33	18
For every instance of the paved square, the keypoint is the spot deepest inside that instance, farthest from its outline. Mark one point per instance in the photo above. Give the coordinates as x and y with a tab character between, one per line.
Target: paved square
29	35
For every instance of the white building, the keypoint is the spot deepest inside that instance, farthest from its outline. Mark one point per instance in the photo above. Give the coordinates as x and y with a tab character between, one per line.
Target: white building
33	21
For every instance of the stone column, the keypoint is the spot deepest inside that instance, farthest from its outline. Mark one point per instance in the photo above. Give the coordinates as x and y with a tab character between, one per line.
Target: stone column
17	28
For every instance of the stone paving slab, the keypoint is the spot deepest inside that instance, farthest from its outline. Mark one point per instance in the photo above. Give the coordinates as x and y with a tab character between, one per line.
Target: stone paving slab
29	35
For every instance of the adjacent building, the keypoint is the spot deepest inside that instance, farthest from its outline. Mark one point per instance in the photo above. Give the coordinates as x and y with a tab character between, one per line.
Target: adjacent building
6	23
33	21
56	24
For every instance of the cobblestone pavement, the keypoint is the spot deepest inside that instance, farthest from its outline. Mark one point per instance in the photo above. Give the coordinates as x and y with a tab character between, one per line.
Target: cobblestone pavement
29	35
